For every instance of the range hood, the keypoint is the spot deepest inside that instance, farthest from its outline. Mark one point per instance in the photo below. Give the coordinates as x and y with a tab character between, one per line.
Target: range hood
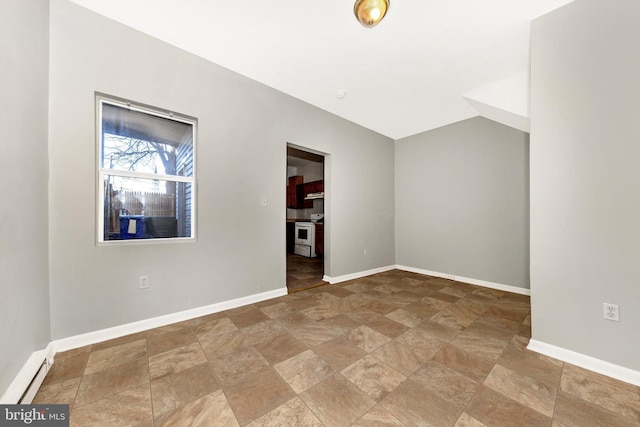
312	196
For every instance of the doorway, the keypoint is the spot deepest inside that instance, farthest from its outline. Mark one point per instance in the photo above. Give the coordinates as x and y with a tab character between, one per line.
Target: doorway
305	219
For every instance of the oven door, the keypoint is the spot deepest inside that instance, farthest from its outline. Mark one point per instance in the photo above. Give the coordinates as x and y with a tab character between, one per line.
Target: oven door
304	233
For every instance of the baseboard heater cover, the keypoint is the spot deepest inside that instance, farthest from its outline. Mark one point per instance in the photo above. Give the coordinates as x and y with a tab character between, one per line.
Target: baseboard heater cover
34	385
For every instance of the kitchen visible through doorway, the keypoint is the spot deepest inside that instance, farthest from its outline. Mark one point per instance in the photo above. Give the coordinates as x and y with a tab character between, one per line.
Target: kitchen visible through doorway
305	192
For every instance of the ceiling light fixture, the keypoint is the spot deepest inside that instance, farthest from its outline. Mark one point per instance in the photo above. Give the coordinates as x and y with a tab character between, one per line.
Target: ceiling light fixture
370	12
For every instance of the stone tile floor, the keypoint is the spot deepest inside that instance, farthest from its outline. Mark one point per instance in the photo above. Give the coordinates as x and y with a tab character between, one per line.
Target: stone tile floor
304	273
391	349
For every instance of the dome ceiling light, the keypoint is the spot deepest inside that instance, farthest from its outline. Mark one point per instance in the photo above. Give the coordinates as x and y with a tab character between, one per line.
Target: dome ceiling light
370	12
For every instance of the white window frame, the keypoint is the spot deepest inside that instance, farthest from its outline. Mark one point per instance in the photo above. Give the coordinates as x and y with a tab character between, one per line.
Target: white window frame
102	99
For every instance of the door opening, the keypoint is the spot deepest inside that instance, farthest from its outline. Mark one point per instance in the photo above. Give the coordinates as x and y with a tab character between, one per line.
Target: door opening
305	219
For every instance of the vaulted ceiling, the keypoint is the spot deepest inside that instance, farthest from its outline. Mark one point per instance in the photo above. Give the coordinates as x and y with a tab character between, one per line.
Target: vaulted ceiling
429	63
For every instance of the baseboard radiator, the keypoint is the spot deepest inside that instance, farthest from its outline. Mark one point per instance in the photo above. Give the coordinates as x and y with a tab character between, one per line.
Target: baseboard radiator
34	385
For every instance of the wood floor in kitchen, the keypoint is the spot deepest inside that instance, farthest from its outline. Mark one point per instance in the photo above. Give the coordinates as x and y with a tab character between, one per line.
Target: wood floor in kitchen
391	349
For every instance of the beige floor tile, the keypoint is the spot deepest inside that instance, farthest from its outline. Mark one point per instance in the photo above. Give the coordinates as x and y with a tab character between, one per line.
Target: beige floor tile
450	385
421	310
424	344
362	315
401	357
405	317
119	341
248	317
304	370
58	393
516	312
160	341
531	364
378	417
387	289
454	292
338	291
481	345
437	330
67	366
209	330
236	366
293	321
495	409
224	344
339	352
528	391
573	411
258	394
414	406
367	339
400	299
394	348
434	303
493	293
386	327
176	360
112	380
277	310
291	413
443	296
464	362
198	322
608	393
336	401
382	306
320	312
455	316
173	391
358	287
262	331
340	325
498	322
280	347
373	377
210	410
467	420
131	407
315	333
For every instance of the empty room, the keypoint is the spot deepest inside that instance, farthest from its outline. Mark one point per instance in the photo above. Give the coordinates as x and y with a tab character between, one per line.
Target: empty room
462	212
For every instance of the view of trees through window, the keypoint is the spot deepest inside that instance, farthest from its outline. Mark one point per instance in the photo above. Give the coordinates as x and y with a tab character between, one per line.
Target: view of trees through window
146	167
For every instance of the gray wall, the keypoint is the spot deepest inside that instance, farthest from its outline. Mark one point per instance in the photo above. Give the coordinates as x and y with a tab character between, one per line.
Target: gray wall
243	131
585	178
24	292
462	202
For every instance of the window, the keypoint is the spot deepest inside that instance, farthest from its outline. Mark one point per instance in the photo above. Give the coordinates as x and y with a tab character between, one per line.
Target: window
146	161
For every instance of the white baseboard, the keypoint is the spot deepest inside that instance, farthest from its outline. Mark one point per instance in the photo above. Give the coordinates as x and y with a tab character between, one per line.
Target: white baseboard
81	340
483	283
587	362
358	275
23	379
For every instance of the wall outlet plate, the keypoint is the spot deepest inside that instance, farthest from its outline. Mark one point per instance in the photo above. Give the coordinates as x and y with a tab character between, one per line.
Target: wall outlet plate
611	312
144	282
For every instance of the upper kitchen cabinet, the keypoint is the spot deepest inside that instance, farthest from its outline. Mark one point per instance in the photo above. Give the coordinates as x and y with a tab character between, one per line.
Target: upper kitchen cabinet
298	190
292	199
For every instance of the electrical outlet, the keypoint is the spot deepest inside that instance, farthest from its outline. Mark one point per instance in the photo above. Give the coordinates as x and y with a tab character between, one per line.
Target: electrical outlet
263	201
611	312
144	282
365	251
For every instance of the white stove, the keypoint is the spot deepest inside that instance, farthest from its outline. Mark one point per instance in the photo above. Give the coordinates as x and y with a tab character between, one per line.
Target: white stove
305	239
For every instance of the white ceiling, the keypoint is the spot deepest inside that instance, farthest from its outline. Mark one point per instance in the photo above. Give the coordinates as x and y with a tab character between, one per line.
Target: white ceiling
429	63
